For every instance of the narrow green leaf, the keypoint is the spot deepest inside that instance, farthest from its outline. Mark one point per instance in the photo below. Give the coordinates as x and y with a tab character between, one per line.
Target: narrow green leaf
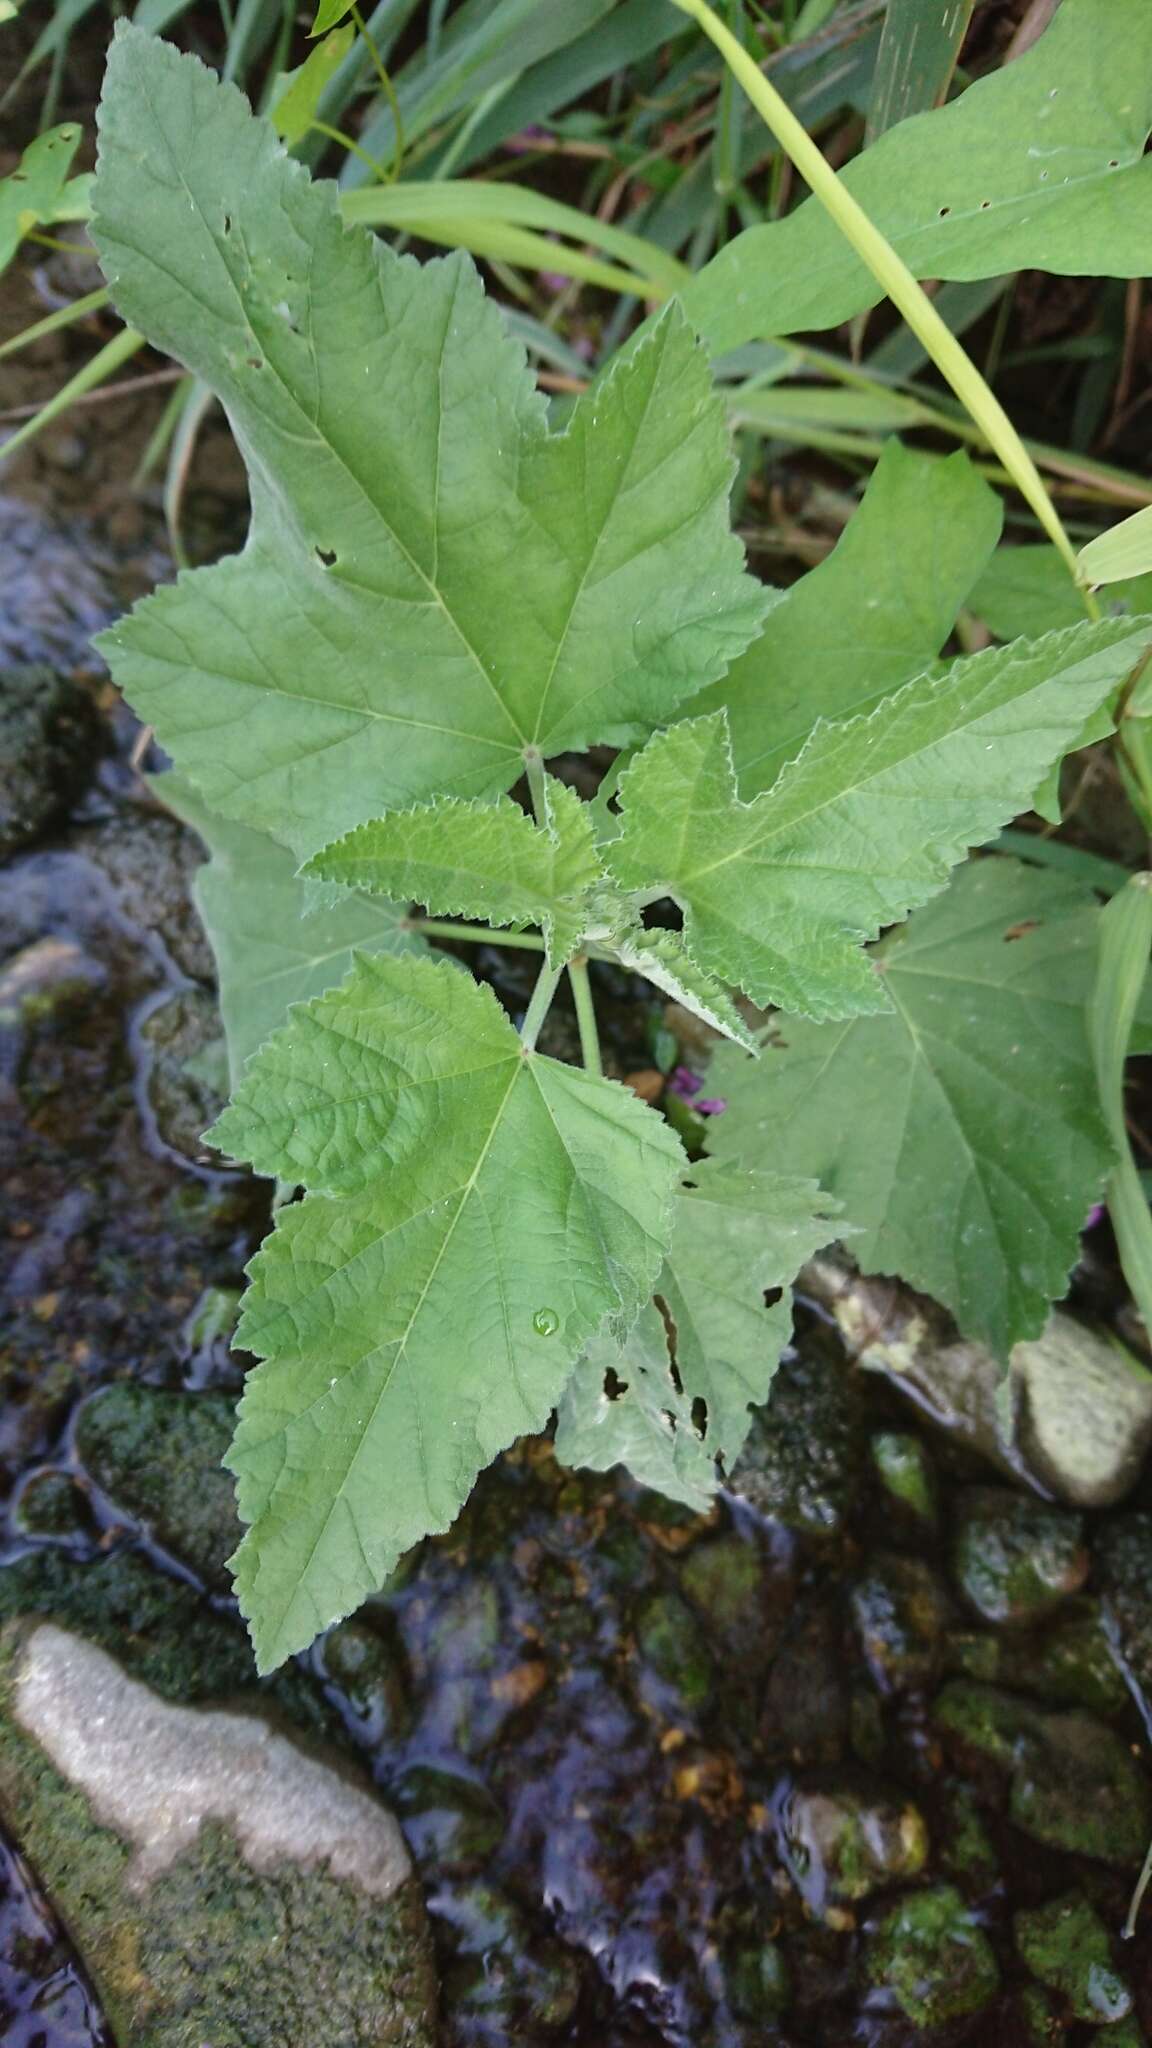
961	1131
663	958
433	581
297	104
272	949
1124	552
871	617
861	826
479	860
328	15
919	46
426	1301
672	1403
1040	165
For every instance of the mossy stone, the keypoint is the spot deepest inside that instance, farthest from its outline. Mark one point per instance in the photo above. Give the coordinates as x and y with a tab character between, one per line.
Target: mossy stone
984	1725
1065	1944
671	1646
1015	1558
452	1822
158	1456
804	1458
841	1841
367	1663
905	1472
726	1580
900	1606
932	1955
1077	1786
759	1982
214	1945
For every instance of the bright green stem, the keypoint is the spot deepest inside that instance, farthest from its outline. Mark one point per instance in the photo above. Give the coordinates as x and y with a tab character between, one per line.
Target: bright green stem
539	1006
1125	947
585	1014
119	350
389	90
893	274
475	934
346	142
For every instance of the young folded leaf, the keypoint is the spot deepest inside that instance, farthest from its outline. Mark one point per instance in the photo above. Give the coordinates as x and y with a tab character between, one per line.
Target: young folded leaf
663	959
433	582
479	860
867	620
961	1131
425	1303
864	824
672	1402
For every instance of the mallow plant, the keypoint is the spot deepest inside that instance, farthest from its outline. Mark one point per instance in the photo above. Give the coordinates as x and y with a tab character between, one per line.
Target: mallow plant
373	712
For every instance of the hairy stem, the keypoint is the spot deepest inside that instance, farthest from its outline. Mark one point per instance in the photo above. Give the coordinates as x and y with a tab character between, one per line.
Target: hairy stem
585	1014
539	1006
537	784
474	934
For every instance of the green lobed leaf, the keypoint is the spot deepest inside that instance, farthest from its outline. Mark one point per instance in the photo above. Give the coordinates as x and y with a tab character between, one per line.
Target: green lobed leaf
31	194
672	1403
872	616
485	860
271	949
961	1131
1040	165
433	582
864	824
474	1213
1026	591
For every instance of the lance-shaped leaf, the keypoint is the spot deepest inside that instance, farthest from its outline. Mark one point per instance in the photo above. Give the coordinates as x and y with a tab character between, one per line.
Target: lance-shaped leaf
433	582
962	1131
871	617
1040	165
864	824
664	959
672	1402
485	860
475	1212
271	950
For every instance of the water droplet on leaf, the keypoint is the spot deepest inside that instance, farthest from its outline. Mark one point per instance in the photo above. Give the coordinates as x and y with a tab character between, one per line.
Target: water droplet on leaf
545	1322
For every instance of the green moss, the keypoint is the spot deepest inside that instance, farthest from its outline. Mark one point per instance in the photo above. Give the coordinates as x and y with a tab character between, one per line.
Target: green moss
1015	1558
932	1956
905	1472
1077	1787
670	1643
158	1456
725	1580
1065	1944
212	1950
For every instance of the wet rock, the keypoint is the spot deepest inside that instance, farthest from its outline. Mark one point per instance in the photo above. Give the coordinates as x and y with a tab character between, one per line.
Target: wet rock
905	1472
1065	1944
933	1958
804	1707
1077	1787
150	861
158	1457
735	1593
51	1504
183	1100
45	983
841	1841
157	1627
220	1883
1079	1405
983	1725
1070	1662
502	1972
804	1457
1128	2034
900	1608
671	1645
966	1850
367	1663
451	1822
1013	1558
50	741
1123	1558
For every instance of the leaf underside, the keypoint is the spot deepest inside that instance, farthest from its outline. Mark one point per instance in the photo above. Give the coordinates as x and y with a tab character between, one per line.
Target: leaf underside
960	1131
425	1303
